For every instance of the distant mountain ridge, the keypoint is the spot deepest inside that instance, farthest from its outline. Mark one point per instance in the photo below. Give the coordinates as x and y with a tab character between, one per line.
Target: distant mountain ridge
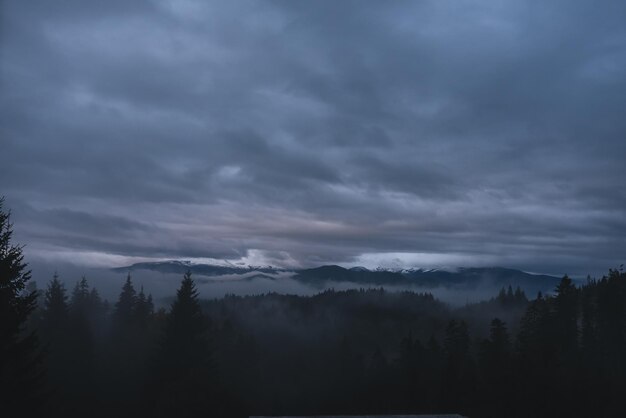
181	267
463	277
327	275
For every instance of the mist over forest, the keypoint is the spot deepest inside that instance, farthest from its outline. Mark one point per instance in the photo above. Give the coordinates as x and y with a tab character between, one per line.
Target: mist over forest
271	208
454	286
367	350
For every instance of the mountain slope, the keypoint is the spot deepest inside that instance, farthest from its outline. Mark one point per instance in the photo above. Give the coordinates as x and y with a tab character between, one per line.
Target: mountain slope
462	278
181	267
325	276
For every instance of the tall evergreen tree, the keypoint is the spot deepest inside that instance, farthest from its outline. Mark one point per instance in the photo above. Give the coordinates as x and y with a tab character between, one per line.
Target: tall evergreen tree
538	358
459	372
80	298
20	359
495	365
520	297
144	308
497	349
55	332
81	338
589	317
566	316
124	314
186	360
55	309
186	341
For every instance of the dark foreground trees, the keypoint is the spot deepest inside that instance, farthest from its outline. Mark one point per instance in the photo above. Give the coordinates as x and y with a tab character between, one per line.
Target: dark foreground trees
185	370
348	352
20	357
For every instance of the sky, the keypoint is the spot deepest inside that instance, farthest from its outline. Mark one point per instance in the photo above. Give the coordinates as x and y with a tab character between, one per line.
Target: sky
406	134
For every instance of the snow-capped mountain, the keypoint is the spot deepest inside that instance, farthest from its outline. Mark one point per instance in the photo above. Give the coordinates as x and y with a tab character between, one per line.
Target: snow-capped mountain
217	268
461	278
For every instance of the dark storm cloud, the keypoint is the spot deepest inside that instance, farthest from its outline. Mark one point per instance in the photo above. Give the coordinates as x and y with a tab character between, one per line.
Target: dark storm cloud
304	133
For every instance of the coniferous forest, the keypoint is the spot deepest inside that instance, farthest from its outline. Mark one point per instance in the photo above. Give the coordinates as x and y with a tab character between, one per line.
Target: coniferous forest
67	352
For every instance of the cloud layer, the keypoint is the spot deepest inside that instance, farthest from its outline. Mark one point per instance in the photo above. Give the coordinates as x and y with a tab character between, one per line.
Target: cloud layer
291	133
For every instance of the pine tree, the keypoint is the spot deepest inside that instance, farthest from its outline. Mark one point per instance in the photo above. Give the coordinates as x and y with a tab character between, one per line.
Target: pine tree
459	372
502	296
185	357
537	356
94	300
186	331
495	362
20	370
589	326
81	339
520	297
126	302
55	310
144	308
566	307
124	313
80	298
496	353
55	332
96	303
535	340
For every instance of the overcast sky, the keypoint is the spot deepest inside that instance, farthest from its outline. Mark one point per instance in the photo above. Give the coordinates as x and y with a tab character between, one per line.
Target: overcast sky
423	133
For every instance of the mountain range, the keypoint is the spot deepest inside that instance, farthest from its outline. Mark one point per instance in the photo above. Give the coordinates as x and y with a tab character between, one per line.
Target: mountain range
327	275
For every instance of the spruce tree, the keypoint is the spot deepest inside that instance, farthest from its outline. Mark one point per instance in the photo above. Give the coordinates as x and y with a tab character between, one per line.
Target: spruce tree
495	353
55	309
495	361
567	307
520	297
20	359
81	338
144	309
59	344
80	299
499	340
186	340
124	314
185	358
459	373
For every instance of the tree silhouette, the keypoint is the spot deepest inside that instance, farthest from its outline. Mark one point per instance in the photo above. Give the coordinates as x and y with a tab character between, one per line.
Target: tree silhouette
459	372
55	333
124	313
186	340
55	309
589	319
81	343
185	359
54	320
80	303
566	306
312	355
144	309
495	363
520	296
20	359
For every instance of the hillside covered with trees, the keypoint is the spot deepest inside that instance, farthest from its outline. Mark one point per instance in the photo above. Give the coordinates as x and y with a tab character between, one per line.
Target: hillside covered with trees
68	352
